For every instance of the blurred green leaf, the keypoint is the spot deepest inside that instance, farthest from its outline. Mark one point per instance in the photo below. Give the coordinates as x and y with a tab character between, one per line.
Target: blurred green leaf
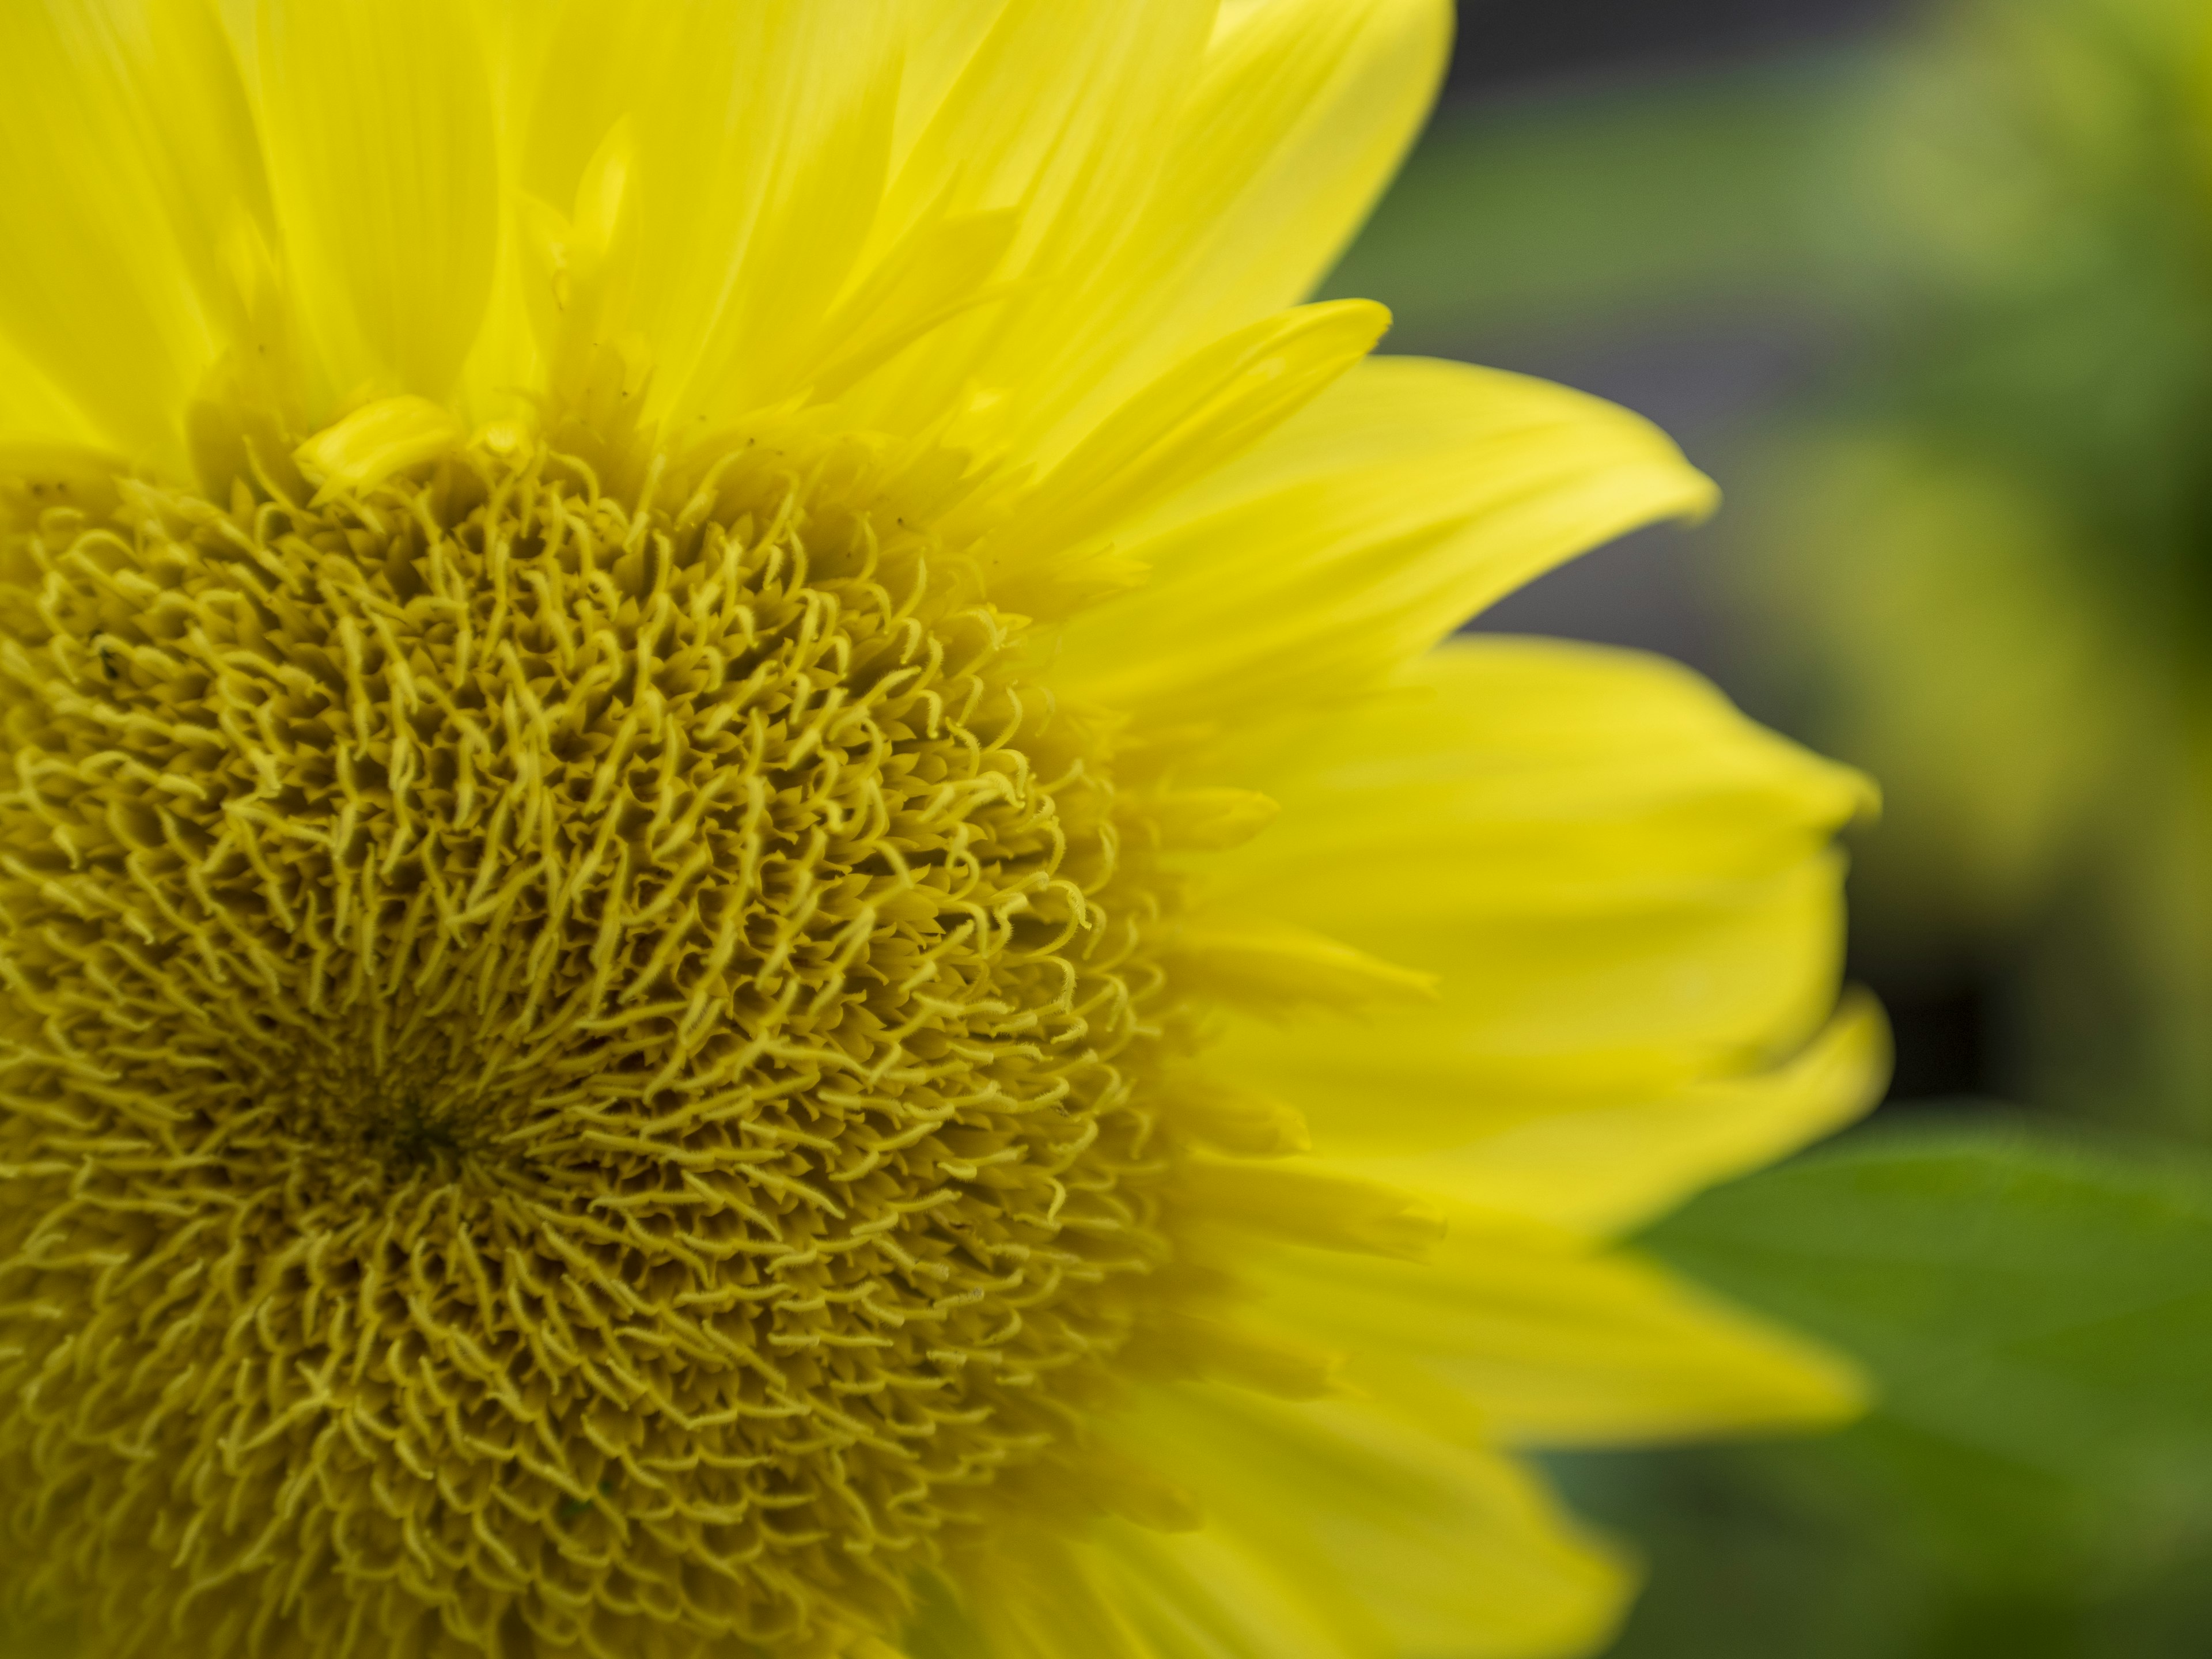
2033	1300
2037	1312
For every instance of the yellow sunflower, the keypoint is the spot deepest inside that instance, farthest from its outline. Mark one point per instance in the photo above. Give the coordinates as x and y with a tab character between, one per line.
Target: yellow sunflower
744	906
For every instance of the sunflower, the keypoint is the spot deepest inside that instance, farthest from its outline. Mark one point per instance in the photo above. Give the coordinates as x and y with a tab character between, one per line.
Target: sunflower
744	906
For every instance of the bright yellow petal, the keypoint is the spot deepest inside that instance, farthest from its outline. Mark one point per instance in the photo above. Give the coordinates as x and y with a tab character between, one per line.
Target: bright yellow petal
759	140
1200	1596
1064	114
1604	1167
1578	1002
1543	775
1336	1530
942	37
1209	408
1061	112
1303	114
1046	1598
1521	1335
1395	506
33	412
1300	116
132	195
1626	894
378	115
1256	961
1329	1532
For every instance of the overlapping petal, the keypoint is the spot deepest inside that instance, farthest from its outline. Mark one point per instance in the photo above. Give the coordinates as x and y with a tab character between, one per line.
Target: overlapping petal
134	208
385	164
1288	128
1378	1537
1395	506
1328	1533
720	169
1602	1165
1627	894
1517	1334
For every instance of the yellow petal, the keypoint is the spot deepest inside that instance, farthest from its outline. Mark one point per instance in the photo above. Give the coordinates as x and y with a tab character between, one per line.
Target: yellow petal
1046	1597
941	272
1327	1532
1521	1335
1299	117
1233	1118
128	166
1603	1167
1255	962
1331	1529
1540	775
373	443
757	140
1234	1350
1626	893
818	176
1307	1205
1066	111
1397	504
1303	113
1060	111
378	121
1209	408
33	411
942	37
197	123
1209	820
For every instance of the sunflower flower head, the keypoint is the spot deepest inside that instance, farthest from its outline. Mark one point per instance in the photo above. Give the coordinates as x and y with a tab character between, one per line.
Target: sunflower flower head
741	910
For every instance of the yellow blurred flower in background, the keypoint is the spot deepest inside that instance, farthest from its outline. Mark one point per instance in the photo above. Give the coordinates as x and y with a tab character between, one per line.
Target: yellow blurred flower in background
742	900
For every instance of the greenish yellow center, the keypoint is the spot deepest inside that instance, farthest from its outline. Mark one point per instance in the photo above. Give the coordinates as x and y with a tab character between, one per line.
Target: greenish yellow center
571	1059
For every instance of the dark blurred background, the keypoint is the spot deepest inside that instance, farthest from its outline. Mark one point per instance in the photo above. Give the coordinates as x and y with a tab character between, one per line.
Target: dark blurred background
1504	45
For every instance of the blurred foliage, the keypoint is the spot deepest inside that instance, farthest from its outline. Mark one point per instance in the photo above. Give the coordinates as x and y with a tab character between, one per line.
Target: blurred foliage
1985	567
2017	1298
2038	1317
1977	560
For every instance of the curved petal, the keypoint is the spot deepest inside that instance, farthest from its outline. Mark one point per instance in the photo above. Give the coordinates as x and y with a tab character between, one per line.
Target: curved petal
1625	889
1601	1166
1304	109
1013	213
1298	118
33	412
133	196
1210	407
1328	1532
379	119
756	144
1047	1599
1372	524
1064	116
1347	1533
1521	1335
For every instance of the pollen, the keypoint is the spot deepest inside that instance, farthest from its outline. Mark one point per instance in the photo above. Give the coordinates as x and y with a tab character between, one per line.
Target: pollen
575	1059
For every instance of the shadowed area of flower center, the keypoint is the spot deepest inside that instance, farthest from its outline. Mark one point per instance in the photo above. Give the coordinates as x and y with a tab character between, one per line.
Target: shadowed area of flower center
570	1058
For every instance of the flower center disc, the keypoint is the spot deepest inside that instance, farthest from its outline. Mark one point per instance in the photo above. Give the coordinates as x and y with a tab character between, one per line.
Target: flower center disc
568	1055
